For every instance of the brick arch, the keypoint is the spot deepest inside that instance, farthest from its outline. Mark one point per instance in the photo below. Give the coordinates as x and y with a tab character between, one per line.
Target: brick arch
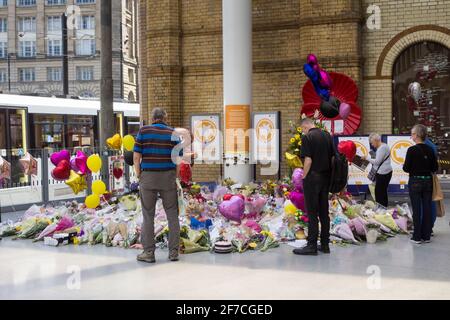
405	39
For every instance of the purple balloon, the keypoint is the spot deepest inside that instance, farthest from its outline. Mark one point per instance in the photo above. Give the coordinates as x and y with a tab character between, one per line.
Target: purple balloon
297	179
325	79
311	59
73	165
344	110
81	162
57	157
298	199
233	209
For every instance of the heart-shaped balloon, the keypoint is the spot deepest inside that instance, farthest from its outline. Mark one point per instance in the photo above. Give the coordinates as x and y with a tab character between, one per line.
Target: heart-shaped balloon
347	148
298	199
117	173
73	164
256	205
57	157
233	209
81	162
61	171
115	142
344	110
297	179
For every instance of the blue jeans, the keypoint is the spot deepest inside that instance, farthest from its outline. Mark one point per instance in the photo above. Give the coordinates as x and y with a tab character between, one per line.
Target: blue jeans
420	193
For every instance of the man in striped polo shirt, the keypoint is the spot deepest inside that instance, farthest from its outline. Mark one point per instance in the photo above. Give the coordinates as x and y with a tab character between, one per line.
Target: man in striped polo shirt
156	170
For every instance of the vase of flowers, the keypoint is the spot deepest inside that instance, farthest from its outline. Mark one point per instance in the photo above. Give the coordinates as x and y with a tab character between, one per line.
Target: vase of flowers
372	232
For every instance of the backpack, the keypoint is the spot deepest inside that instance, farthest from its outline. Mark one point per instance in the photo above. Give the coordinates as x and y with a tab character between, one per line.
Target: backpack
339	172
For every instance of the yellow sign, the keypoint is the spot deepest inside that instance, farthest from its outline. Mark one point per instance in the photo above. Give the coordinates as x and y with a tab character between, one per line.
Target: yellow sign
361	149
264	130
398	151
237	124
205	131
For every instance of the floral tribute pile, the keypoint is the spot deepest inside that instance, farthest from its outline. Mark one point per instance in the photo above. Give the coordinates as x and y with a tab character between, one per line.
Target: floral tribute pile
250	217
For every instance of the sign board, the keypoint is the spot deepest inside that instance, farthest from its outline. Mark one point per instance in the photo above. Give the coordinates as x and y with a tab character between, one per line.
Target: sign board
116	173
355	175
265	137
237	124
398	146
206	137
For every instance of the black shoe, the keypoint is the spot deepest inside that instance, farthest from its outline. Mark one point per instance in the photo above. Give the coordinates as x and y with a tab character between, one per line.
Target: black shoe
415	241
324	248
432	233
306	251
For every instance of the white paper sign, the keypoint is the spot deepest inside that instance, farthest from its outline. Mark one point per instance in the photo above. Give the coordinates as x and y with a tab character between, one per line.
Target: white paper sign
206	142
355	175
265	140
399	146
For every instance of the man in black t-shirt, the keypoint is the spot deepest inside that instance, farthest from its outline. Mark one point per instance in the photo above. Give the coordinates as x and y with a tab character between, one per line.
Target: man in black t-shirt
317	152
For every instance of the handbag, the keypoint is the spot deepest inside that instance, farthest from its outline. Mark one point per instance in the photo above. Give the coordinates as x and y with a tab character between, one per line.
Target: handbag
373	172
440	208
437	191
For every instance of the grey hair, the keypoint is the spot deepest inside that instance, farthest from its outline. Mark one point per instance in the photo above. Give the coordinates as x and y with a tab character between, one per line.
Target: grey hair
158	114
421	131
306	121
374	136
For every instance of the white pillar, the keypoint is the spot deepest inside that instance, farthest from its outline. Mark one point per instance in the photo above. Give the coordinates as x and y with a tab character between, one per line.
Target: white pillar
237	82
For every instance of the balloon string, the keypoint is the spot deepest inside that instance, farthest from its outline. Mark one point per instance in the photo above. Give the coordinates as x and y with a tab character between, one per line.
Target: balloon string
104	199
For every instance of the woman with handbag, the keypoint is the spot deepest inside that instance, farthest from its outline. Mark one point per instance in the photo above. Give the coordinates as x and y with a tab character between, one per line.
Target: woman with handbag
420	163
381	172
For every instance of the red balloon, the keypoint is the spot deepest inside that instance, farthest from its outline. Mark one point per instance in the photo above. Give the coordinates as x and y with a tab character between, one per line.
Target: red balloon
61	171
185	173
228	196
347	148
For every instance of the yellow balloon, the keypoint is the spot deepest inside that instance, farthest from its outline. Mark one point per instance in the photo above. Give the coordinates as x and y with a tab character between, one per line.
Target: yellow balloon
94	163
289	207
115	142
76	182
98	187
92	201
128	142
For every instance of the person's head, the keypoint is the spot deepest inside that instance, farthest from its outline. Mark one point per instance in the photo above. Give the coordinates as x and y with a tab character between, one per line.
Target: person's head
307	124
375	140
159	114
419	133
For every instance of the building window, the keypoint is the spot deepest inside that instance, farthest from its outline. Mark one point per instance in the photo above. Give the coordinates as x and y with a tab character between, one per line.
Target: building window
3	75
3	49
3	25
27	75
129	42
54	74
54	48
85	73
53	24
55	2
26	3
86	23
80	131
27	49
131	97
48	131
87	95
130	5
427	64
131	77
26	24
3	3
85	1
85	47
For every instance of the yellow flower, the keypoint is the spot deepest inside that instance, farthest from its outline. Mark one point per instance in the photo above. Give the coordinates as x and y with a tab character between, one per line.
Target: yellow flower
299	129
300	143
292	140
252	245
297	137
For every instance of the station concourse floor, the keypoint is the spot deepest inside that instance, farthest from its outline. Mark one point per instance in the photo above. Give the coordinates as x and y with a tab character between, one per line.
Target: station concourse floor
396	269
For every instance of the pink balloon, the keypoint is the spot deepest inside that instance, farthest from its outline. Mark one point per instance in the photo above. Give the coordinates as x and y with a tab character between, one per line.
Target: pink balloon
311	59
252	224
57	157
81	162
233	209
298	199
325	79
297	179
256	205
316	68
344	110
73	165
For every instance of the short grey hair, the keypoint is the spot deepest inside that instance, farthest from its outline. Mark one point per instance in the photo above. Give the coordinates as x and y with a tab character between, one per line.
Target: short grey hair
306	121
158	114
421	131
374	137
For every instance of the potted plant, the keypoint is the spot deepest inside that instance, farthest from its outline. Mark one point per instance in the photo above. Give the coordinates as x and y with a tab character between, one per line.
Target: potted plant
372	232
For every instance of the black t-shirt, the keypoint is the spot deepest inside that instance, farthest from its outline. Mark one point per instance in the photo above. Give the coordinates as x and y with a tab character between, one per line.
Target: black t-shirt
318	145
420	160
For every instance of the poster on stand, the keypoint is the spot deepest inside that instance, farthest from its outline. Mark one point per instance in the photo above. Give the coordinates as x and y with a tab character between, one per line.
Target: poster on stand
399	146
265	137
355	175
116	165
206	137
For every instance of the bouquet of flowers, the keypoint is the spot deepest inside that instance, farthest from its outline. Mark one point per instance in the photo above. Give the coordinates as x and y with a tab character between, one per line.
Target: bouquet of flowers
301	218
269	241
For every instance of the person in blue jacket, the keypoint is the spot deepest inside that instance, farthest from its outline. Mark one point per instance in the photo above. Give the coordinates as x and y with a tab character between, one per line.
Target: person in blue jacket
433	203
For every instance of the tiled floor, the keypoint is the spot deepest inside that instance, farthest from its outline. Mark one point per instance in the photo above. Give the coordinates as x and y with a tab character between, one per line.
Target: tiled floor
406	271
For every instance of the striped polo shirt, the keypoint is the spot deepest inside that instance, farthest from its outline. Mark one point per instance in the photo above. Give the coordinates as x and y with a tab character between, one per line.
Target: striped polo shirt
155	142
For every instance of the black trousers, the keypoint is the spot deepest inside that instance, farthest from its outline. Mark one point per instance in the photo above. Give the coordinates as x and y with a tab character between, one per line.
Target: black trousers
316	186
420	193
381	188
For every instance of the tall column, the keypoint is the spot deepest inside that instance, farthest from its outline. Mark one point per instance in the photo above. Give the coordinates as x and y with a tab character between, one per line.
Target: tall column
237	87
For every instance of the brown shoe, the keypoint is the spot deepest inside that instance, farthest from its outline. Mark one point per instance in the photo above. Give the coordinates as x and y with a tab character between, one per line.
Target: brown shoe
148	257
173	255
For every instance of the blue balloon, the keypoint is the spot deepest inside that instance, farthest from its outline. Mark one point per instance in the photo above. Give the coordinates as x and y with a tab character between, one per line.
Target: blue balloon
314	76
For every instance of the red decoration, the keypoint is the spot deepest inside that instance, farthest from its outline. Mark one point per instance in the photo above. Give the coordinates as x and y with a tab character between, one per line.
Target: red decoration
61	171
185	173
344	89
117	173
228	196
347	148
